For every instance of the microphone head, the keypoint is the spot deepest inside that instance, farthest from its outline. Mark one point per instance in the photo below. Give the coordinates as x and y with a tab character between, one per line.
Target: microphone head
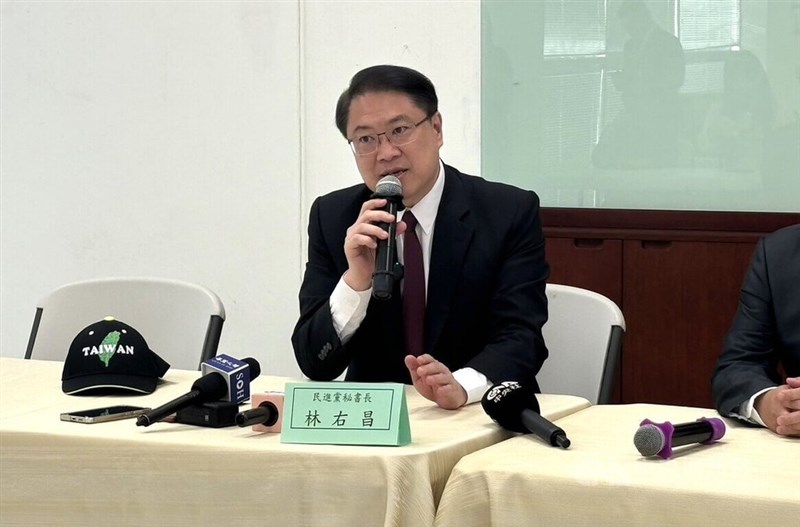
233	374
211	387
649	439
389	187
255	367
504	403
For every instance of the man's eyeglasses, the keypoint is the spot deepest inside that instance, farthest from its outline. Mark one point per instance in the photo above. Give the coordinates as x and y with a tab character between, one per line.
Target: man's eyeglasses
401	134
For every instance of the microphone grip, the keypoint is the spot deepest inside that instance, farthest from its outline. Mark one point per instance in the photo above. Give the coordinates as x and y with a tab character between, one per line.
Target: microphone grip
264	414
543	428
157	414
383	277
696	432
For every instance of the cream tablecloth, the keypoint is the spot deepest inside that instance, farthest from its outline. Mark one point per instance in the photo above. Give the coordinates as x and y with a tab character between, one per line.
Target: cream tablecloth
61	473
749	478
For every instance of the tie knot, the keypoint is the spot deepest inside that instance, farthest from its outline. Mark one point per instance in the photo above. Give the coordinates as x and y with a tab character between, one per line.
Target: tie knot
410	220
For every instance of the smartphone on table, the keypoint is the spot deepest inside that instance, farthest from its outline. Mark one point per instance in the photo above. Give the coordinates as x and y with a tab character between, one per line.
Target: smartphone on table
102	415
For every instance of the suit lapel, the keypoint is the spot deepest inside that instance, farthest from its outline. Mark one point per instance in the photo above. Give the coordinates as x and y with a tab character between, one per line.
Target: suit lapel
451	238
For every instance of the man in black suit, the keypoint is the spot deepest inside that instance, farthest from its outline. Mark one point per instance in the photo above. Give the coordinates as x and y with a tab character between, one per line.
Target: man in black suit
482	251
747	382
646	133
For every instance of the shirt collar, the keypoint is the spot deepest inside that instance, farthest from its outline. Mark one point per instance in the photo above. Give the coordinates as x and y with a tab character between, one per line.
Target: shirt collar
425	210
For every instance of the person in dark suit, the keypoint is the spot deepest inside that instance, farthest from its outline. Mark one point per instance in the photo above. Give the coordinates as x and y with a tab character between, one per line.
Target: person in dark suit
482	245
647	132
765	336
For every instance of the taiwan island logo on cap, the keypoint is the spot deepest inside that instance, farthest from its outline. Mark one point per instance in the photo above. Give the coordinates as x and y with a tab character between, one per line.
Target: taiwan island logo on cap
110	356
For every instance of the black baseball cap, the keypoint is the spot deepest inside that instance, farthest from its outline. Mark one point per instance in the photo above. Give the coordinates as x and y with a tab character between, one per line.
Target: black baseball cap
110	356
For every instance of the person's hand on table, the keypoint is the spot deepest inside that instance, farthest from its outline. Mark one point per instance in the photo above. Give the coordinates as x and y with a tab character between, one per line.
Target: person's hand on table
780	408
434	381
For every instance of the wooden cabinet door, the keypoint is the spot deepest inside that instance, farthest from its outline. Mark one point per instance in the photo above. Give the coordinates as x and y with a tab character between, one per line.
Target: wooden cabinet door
590	263
679	299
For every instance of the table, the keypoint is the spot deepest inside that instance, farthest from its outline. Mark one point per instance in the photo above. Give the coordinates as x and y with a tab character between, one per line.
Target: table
750	477
54	472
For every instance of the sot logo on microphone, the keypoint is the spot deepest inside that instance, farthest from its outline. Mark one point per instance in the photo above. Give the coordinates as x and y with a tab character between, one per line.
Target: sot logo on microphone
497	392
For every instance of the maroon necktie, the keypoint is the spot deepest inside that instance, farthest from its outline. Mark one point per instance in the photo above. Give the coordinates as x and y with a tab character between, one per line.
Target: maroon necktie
413	289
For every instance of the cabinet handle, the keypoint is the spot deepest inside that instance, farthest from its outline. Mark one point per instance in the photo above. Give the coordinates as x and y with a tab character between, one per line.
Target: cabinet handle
659	245
588	243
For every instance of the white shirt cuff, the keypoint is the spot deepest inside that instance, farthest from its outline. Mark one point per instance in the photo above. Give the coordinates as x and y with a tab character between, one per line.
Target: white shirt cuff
473	382
748	409
348	309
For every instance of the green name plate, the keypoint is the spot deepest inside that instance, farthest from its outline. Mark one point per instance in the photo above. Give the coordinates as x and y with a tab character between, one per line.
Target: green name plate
345	413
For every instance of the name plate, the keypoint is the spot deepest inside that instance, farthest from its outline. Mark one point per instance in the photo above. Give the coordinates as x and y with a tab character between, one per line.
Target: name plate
345	413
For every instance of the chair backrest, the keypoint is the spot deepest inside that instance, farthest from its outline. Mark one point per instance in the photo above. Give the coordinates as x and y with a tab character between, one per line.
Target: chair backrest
583	334
180	321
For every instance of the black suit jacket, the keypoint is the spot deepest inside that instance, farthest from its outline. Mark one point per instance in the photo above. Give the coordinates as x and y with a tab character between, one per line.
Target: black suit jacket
766	328
486	300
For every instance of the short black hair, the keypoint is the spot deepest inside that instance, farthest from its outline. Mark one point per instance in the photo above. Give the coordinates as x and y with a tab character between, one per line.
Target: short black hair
387	78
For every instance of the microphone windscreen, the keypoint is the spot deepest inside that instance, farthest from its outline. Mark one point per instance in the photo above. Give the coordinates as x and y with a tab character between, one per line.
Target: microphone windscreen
389	186
505	402
211	387
649	440
255	367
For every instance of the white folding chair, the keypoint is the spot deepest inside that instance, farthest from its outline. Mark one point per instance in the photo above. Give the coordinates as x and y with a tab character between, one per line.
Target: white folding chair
583	334
180	321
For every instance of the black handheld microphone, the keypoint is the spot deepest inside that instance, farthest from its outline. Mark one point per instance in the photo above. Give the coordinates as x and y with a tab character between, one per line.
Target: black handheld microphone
227	379
389	188
657	439
516	409
265	414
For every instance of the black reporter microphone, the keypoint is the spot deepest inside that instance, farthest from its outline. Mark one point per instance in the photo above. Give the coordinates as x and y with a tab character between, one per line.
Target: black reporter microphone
657	439
225	378
386	271
516	408
266	413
